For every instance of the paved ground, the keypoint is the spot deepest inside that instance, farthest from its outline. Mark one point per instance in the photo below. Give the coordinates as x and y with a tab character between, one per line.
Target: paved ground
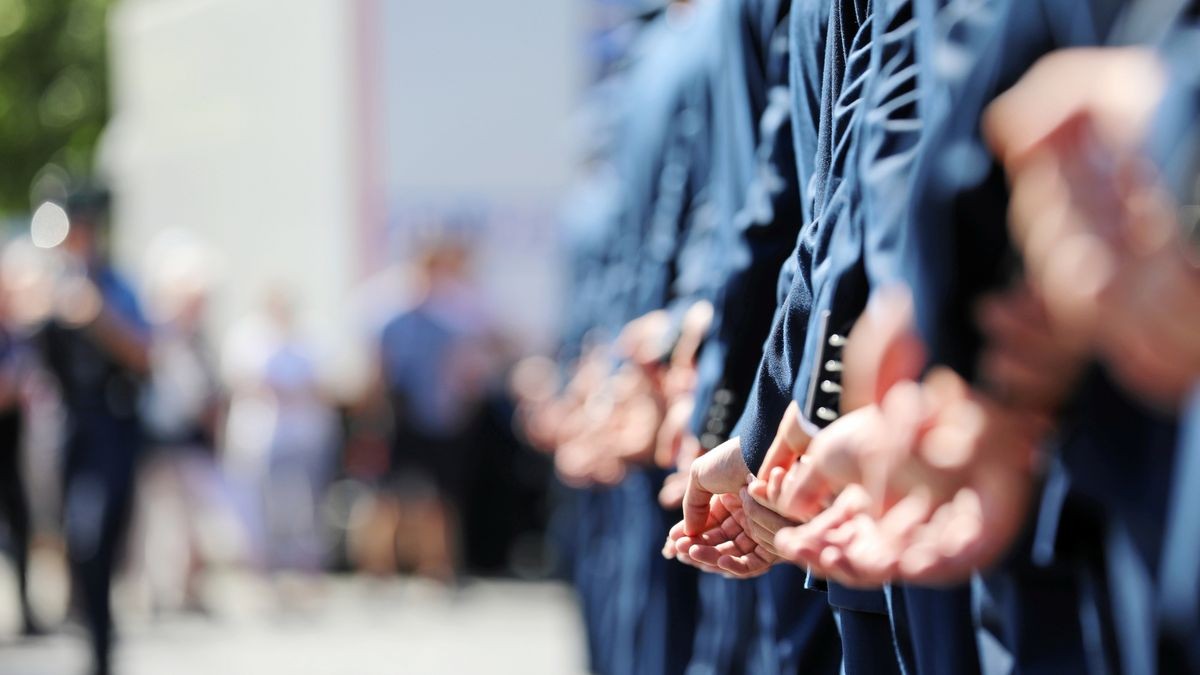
334	626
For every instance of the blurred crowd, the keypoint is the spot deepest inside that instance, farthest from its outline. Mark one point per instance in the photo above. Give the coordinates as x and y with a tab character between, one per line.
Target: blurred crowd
141	451
880	355
883	340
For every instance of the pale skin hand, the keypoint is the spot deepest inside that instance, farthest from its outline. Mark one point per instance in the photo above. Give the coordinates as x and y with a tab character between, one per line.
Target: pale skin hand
1027	362
802	476
969	480
675	484
724	547
676	446
709	534
1099	236
930	480
1154	347
744	544
722	470
1058	132
534	384
965	487
641	400
798	480
637	415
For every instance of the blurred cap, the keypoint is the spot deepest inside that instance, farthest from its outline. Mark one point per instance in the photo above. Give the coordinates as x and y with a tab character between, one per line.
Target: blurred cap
89	203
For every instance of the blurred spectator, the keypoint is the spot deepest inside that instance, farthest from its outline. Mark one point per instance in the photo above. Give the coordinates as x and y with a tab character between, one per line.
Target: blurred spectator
96	344
16	363
182	489
279	436
434	366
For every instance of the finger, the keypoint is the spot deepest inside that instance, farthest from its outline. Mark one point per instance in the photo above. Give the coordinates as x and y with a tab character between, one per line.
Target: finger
715	534
696	503
762	537
803	492
832	564
706	558
666	445
877	549
924	559
1017	379
1038	190
807	540
759	488
761	515
1018	320
775	485
745	566
744	556
902	520
720	470
789	443
797	546
670	497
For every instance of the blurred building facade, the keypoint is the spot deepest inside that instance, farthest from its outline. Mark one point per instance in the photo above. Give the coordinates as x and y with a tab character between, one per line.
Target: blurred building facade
311	143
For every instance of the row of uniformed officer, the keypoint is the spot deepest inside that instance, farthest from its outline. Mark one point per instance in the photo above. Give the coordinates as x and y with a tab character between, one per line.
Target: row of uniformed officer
889	307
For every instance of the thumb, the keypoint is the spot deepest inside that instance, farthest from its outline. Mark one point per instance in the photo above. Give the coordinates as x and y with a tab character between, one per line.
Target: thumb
719	471
790	442
883	349
696	323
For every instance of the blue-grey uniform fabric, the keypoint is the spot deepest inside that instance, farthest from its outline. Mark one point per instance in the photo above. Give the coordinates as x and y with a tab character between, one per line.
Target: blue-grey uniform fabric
745	189
833	241
583	523
773	624
827	176
845	67
932	628
588	223
1016	603
662	161
1176	148
726	636
962	251
1179	590
665	111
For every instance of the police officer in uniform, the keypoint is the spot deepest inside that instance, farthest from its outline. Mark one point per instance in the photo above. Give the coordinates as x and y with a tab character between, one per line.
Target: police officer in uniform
96	346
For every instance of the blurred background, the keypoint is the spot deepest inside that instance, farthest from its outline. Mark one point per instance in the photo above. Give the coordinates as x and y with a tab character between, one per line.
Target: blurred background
277	254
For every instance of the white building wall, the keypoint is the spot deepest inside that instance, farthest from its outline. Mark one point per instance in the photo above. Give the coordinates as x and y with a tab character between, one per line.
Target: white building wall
234	119
240	121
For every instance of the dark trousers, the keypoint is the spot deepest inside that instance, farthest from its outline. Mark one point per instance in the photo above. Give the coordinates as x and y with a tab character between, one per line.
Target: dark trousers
656	597
14	503
595	573
867	647
1033	612
798	622
725	627
935	630
98	486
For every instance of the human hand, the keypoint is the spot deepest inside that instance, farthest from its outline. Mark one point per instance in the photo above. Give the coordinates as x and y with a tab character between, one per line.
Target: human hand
724	547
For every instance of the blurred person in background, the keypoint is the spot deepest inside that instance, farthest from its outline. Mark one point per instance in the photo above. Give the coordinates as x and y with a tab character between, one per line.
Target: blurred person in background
96	343
279	435
16	363
181	486
433	367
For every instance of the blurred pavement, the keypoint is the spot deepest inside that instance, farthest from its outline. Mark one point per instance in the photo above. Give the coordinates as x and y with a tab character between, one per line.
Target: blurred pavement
332	625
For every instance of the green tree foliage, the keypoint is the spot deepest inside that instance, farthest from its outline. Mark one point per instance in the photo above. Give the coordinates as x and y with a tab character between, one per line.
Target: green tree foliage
53	91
